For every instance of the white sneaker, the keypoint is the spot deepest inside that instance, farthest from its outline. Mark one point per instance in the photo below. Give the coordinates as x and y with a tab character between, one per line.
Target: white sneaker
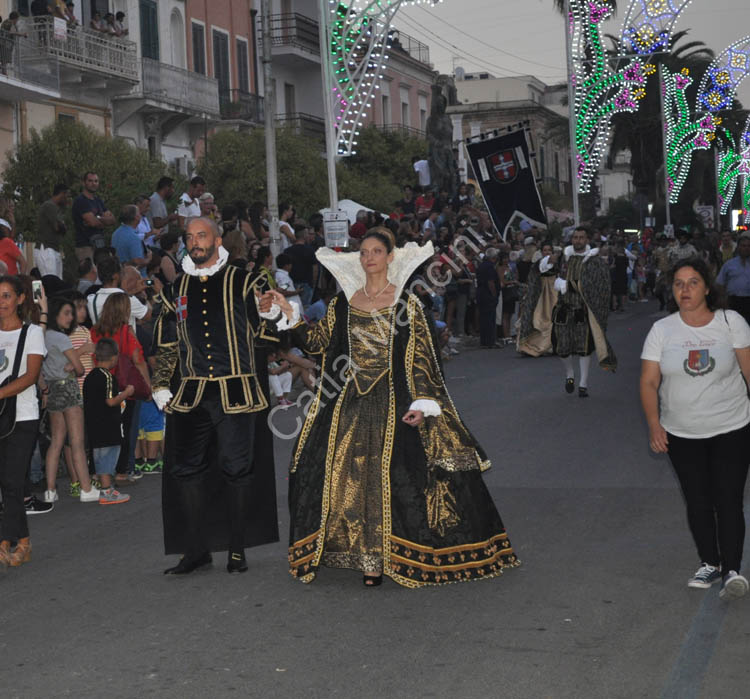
91	496
734	586
50	496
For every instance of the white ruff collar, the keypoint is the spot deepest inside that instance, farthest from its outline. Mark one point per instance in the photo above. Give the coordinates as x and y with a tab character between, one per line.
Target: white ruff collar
588	252
188	266
346	267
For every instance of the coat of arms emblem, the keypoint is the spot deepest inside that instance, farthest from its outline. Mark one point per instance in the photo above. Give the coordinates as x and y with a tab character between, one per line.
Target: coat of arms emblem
699	363
504	166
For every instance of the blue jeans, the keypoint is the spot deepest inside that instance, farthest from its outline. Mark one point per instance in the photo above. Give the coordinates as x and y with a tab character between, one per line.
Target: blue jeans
305	293
105	459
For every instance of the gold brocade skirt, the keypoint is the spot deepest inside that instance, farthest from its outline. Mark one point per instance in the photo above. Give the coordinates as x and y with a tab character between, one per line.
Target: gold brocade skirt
354	529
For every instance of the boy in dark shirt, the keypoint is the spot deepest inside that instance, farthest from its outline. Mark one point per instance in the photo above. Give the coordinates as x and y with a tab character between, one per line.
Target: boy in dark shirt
102	410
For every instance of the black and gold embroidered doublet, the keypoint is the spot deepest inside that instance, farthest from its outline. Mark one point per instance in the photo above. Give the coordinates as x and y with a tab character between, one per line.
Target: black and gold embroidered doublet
210	324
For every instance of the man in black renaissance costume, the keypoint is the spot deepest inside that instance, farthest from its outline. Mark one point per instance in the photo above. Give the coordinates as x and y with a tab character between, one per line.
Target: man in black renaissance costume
579	319
212	383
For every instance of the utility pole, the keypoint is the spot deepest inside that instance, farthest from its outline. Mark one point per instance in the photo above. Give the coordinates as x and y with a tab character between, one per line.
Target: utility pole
572	118
330	127
269	104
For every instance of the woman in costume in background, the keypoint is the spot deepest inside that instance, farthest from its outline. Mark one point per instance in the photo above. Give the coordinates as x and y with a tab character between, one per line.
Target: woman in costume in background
535	312
385	478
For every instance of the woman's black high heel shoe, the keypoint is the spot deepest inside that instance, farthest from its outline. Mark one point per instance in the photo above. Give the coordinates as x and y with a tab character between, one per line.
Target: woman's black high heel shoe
372	580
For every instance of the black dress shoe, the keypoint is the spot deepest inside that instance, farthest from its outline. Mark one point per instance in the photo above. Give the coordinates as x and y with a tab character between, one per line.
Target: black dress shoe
583	392
189	564
236	563
570	385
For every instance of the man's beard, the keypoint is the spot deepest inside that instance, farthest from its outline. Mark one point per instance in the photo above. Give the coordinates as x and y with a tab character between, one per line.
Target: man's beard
200	257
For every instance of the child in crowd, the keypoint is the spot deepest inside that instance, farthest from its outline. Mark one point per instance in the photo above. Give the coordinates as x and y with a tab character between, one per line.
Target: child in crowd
149	449
62	398
80	338
279	379
103	407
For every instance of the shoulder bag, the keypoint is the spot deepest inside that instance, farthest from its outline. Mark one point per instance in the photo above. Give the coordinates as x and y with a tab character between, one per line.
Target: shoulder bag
8	405
128	374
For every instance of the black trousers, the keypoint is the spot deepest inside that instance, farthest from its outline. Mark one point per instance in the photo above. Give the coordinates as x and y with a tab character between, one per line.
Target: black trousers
15	458
487	322
712	473
741	304
194	432
128	416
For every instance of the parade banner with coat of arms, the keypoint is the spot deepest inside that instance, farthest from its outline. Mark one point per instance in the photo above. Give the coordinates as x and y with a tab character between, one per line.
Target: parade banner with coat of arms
503	164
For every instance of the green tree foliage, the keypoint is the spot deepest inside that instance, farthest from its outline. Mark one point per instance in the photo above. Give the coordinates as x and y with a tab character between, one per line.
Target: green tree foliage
63	153
235	168
376	175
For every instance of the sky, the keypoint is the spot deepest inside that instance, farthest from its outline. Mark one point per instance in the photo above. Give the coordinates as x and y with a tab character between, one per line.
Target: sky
522	37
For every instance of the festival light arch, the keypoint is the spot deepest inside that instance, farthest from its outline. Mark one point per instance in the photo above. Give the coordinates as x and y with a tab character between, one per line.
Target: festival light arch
722	78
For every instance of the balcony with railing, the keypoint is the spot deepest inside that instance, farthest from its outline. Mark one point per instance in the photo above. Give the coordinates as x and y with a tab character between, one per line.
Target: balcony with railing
242	106
404	44
84	49
180	89
296	36
401	129
304	124
26	73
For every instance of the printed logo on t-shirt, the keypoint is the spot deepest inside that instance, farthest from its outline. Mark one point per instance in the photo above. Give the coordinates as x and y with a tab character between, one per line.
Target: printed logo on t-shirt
181	308
699	363
3	360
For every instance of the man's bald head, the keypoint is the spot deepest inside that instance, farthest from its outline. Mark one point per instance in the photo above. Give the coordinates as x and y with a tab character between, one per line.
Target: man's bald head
202	240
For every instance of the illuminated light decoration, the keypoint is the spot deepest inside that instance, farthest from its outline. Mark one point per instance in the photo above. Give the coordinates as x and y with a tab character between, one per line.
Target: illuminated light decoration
600	91
723	77
648	26
729	166
358	41
683	135
745	167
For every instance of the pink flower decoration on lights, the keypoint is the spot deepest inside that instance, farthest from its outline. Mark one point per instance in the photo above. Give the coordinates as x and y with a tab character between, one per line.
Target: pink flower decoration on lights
597	12
634	73
681	82
708	123
625	101
701	141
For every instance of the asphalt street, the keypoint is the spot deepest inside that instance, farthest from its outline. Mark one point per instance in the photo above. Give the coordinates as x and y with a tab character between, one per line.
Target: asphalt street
599	608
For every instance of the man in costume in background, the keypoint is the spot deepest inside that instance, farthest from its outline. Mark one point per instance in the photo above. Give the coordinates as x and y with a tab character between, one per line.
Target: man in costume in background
208	329
579	319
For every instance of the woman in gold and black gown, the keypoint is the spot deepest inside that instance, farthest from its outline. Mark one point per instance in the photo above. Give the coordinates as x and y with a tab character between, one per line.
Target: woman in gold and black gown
385	478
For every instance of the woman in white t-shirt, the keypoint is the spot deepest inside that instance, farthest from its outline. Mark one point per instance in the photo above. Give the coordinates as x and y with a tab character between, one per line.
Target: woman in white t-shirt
695	365
17	448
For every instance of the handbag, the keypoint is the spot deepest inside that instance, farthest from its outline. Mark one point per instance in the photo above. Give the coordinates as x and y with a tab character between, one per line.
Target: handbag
8	405
128	374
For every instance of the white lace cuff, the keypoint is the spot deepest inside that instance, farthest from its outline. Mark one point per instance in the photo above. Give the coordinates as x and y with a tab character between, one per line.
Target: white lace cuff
545	265
429	408
283	323
561	285
162	397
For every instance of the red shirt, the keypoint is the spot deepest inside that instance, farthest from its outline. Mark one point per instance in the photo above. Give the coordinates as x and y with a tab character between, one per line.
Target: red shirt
127	343
424	205
10	254
358	230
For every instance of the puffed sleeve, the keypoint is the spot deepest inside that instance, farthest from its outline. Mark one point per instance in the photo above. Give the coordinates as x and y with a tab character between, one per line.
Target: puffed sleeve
165	344
314	339
447	442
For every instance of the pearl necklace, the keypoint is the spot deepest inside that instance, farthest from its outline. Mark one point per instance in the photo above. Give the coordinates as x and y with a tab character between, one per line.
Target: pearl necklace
372	298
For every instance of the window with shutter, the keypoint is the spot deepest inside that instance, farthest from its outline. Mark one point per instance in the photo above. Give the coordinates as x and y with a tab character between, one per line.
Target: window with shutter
149	29
221	60
243	66
199	48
